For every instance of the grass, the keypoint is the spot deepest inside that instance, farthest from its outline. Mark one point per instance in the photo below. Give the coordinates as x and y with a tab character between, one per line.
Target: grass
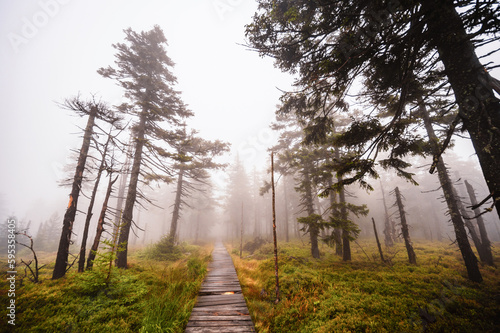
150	296
364	295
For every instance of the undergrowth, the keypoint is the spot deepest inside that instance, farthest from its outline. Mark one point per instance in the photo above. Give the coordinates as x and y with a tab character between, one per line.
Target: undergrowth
329	295
149	296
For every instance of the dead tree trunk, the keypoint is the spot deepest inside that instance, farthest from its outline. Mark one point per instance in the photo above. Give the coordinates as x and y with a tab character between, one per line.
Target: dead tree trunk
100	223
83	246
470	259
472	229
388	235
285	198
404	228
128	212
241	232
177	205
378	242
69	217
485	242
274	233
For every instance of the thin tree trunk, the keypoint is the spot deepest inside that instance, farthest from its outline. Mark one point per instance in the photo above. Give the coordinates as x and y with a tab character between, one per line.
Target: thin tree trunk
388	236
404	228
468	255
472	230
128	212
100	223
378	242
121	191
69	217
274	233
177	205
313	231
241	232
485	242
479	109
83	247
337	239
346	242
285	198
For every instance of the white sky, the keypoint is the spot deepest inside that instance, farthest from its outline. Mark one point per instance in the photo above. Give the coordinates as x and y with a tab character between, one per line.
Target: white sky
51	49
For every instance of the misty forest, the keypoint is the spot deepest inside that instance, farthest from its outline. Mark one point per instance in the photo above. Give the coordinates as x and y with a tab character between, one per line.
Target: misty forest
362	213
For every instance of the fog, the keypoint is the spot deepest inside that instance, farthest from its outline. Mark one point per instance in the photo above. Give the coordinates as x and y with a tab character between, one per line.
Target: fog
51	49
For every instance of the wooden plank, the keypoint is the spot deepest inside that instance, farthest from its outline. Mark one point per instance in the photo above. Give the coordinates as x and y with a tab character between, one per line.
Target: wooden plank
221	323
219	312
227	329
221	318
214	310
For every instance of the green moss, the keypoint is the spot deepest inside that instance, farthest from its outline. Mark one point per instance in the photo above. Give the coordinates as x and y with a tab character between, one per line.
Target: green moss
150	296
365	295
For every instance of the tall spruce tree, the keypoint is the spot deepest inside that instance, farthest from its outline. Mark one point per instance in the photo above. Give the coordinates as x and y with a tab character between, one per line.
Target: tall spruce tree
332	44
143	70
196	158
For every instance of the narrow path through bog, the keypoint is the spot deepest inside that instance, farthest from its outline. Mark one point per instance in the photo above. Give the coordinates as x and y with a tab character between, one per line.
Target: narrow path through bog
220	306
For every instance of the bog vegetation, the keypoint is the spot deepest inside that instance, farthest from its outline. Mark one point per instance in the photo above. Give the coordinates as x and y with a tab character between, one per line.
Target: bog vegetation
366	295
153	295
381	90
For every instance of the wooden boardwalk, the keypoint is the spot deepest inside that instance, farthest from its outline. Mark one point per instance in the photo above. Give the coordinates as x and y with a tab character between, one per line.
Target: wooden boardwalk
220	306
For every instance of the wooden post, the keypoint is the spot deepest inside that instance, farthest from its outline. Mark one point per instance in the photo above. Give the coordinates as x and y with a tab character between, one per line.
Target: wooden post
241	231
274	232
378	242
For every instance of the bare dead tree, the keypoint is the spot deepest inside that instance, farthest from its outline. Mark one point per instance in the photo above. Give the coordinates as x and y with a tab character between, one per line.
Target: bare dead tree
274	232
485	242
93	110
404	227
378	242
34	273
101	222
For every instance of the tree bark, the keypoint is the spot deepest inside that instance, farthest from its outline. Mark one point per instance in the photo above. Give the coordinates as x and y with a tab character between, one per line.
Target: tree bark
346	243
485	242
378	242
121	192
69	217
285	198
337	238
128	212
479	109
177	206
470	259
274	233
388	235
83	246
313	231
241	231
100	224
404	228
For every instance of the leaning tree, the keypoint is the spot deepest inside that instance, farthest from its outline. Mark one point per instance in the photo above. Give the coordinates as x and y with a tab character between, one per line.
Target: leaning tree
93	110
143	69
